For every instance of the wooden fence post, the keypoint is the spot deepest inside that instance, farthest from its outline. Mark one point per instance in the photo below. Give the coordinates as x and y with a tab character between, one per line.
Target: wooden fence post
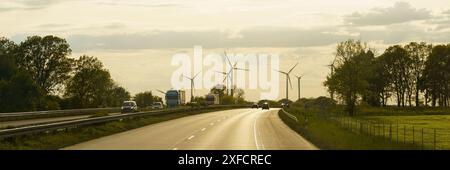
390	131
422	139
404	134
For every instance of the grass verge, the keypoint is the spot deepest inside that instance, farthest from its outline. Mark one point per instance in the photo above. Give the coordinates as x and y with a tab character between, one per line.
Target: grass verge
60	139
326	134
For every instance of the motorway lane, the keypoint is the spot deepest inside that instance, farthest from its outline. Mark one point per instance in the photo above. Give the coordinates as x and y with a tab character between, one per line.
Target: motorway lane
237	129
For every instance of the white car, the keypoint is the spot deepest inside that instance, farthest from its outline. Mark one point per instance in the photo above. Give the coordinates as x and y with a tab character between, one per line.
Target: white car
129	106
157	105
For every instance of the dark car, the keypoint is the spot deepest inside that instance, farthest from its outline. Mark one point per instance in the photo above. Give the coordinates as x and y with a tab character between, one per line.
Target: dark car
265	106
255	105
128	107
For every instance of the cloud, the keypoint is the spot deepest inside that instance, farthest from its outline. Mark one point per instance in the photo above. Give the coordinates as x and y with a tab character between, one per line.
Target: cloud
256	37
401	33
153	5
26	4
399	13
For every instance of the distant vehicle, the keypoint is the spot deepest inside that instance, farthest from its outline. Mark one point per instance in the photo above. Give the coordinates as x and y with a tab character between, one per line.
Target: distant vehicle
285	104
212	99
175	98
265	106
157	105
193	104
255	105
129	106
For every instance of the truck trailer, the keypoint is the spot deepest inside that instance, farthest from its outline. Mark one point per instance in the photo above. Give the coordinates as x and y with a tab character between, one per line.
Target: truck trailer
212	99
175	98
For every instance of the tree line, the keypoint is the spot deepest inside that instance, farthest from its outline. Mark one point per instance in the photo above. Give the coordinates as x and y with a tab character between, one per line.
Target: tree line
38	74
416	74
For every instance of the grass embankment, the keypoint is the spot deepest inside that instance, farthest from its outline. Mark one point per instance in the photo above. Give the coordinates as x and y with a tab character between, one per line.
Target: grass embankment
328	134
57	140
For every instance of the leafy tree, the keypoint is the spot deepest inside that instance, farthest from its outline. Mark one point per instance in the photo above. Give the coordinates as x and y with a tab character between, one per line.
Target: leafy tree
117	95
379	83
418	53
144	99
240	96
45	58
18	92
437	75
349	79
398	66
92	86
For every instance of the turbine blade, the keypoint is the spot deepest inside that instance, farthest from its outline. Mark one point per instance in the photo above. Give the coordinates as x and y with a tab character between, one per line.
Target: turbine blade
243	69
186	77
279	71
196	75
293	68
221	72
228	59
161	91
289	79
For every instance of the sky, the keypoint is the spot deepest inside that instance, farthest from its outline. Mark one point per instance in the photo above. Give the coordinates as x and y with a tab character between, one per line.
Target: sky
136	39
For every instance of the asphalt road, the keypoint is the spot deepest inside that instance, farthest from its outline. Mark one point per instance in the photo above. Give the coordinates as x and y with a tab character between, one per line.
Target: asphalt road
238	129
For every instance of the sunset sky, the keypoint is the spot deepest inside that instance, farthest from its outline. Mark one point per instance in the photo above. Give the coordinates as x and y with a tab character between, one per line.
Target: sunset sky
136	39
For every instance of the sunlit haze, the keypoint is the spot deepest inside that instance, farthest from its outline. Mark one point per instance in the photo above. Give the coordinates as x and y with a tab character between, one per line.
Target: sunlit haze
136	39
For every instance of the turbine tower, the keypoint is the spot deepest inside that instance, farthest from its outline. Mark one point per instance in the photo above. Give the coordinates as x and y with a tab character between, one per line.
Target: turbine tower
299	78
231	73
192	85
331	66
225	77
288	79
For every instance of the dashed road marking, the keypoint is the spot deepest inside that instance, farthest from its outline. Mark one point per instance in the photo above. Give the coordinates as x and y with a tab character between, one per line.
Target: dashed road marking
190	137
203	129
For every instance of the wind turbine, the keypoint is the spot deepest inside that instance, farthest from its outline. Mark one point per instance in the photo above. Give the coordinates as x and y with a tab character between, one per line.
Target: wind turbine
192	85
225	77
288	79
231	72
331	66
298	79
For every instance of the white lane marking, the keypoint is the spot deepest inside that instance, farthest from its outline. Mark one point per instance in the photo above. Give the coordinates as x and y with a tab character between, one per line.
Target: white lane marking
218	120
211	124
190	137
175	149
254	134
203	129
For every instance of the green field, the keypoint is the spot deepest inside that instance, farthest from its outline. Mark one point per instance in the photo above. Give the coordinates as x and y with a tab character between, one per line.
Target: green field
436	129
326	133
375	128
